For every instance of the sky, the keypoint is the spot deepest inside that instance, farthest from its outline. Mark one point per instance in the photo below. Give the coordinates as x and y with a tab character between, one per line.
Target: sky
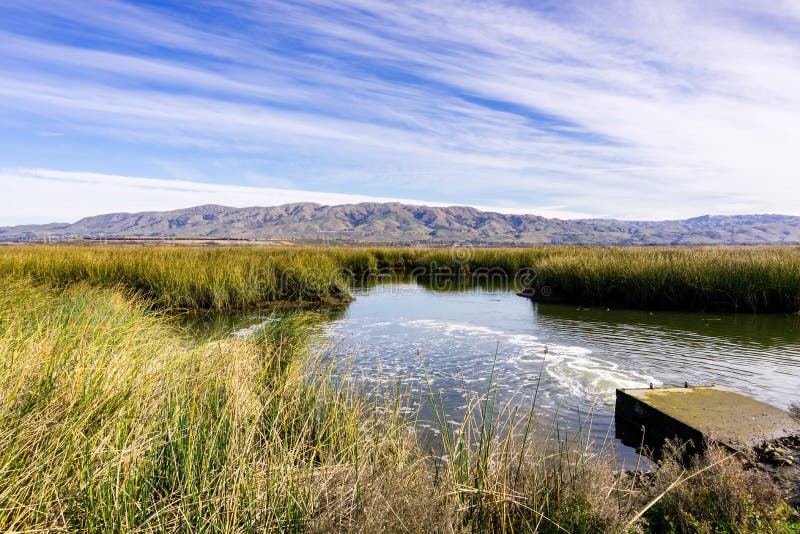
634	110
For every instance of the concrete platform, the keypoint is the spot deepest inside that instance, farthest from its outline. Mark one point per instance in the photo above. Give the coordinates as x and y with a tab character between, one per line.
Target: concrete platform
697	415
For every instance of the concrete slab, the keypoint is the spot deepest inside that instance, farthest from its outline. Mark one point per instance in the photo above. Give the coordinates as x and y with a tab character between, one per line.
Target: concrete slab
699	414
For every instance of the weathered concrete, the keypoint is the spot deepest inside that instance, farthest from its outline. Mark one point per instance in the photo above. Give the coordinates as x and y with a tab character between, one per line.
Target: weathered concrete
698	415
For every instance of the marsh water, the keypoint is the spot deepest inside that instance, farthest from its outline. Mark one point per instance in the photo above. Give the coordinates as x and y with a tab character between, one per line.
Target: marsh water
457	345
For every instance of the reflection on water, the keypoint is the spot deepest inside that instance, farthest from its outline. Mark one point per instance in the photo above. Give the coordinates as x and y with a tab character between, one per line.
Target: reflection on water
574	357
571	358
758	355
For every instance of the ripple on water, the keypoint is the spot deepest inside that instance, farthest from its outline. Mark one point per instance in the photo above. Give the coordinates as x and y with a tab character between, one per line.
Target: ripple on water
573	369
470	340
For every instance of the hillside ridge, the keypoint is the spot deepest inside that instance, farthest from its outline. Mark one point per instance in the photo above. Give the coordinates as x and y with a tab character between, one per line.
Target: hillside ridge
398	223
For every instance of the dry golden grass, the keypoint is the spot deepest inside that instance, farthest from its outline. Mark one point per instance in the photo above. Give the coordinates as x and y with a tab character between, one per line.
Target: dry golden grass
111	421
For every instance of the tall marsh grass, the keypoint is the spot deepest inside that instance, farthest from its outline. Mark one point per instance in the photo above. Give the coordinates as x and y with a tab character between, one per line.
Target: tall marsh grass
111	421
762	279
736	279
221	279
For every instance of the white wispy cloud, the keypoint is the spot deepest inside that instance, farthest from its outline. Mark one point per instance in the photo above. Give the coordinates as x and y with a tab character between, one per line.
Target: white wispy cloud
625	109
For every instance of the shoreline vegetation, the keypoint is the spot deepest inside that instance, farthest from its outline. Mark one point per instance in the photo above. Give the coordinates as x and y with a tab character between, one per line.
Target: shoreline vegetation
113	420
710	279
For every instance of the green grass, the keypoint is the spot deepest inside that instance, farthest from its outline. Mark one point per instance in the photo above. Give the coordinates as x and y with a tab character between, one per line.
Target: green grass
736	279
220	279
701	279
112	421
108	422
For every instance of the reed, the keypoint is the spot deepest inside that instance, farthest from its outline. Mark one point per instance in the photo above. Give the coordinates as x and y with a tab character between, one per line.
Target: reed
701	279
734	279
220	279
112	421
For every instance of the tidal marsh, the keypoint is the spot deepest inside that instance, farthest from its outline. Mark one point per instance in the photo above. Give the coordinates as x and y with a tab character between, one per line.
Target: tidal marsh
108	422
727	279
112	419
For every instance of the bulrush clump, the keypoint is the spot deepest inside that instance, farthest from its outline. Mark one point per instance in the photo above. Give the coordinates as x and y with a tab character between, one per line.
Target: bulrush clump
743	279
112	419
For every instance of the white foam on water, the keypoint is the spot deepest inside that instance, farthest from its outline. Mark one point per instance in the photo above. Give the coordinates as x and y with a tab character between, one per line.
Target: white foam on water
576	370
595	378
572	368
451	329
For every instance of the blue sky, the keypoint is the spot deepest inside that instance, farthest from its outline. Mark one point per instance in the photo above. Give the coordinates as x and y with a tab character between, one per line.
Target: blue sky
646	110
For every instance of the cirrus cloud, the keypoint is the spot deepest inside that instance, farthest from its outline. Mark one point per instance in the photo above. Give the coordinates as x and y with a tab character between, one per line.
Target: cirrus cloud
623	109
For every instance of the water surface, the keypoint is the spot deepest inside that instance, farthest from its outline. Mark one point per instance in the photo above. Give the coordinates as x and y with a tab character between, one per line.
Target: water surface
572	358
453	344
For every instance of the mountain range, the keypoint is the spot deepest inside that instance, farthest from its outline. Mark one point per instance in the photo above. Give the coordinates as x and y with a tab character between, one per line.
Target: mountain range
394	223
